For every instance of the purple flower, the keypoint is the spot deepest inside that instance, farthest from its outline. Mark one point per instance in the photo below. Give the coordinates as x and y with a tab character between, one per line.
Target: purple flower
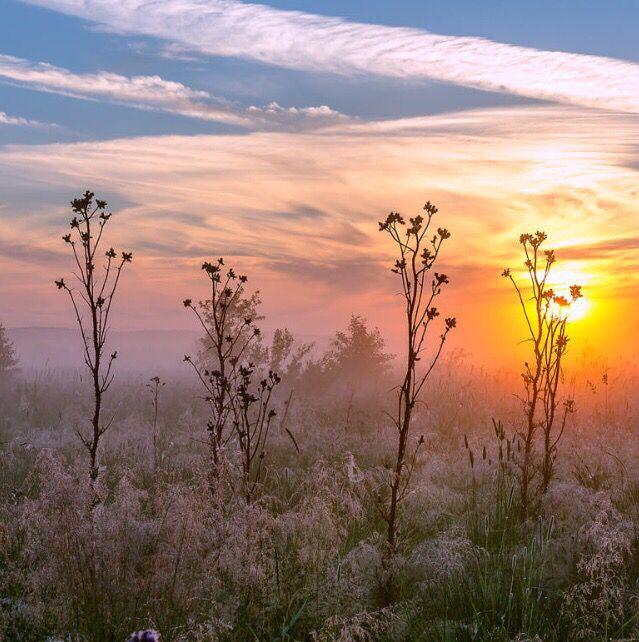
149	635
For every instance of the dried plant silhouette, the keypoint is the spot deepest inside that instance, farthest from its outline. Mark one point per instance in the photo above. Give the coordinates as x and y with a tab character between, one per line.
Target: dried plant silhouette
546	316
92	292
418	253
236	411
253	415
155	385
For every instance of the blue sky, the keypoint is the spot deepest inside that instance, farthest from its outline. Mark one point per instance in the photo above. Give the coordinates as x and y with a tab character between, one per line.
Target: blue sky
581	26
39	34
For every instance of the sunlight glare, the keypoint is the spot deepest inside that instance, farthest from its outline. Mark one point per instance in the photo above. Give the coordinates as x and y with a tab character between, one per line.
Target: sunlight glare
577	310
560	281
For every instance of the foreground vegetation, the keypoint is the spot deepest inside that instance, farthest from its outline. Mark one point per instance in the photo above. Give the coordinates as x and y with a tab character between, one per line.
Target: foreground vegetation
269	491
306	561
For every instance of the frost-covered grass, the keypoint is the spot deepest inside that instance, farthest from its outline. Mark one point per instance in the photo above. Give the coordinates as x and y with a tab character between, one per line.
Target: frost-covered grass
307	560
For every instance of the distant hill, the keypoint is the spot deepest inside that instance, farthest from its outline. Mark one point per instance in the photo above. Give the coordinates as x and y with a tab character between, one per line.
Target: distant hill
138	351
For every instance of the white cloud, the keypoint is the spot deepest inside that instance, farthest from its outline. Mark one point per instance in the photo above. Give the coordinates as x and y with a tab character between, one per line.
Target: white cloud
175	51
154	93
146	92
317	116
5	119
304	41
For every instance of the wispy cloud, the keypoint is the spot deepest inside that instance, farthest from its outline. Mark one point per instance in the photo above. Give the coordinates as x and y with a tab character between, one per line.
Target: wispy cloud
297	211
29	253
155	93
17	121
304	41
624	248
176	51
303	116
296	201
145	92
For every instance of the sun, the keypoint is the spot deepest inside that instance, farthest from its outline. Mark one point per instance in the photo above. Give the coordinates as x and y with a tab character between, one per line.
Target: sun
561	282
578	309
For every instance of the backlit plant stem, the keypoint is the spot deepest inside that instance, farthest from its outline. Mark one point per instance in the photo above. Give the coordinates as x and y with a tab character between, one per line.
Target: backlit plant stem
417	256
94	295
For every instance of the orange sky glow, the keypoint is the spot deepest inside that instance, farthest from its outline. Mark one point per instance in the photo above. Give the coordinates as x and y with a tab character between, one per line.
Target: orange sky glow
298	212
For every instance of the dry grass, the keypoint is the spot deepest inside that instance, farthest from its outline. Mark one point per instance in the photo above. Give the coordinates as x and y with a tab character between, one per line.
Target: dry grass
306	560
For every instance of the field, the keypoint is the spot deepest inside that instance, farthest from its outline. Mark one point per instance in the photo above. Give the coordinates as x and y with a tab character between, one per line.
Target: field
307	557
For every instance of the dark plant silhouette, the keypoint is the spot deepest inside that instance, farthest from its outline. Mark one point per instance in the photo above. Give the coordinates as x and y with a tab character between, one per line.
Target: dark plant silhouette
228	337
154	386
237	309
553	356
498	523
253	416
94	296
418	253
546	315
8	357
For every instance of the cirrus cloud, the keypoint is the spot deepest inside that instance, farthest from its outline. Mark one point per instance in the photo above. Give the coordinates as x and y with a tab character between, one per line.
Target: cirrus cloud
18	121
297	210
153	93
298	40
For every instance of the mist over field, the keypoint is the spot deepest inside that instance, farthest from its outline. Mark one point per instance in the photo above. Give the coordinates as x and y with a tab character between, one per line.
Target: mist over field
319	321
142	351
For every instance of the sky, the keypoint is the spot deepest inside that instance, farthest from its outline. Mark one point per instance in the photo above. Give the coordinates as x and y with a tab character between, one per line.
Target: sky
277	135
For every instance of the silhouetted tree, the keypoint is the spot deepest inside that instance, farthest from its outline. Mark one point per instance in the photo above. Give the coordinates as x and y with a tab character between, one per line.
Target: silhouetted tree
354	362
286	356
237	309
546	315
418	253
94	296
281	348
357	354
